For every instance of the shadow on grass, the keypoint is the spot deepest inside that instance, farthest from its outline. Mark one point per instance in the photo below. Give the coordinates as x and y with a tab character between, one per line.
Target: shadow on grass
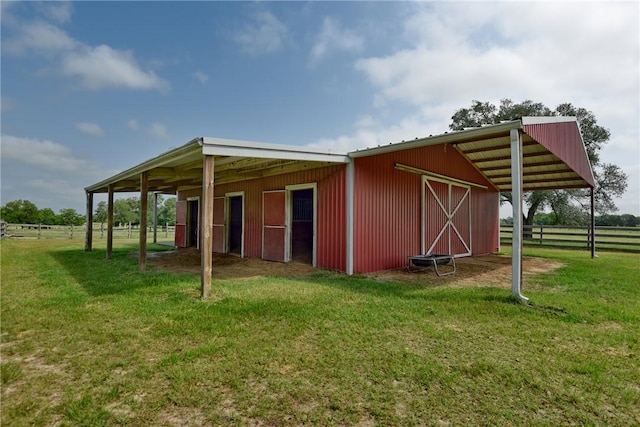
119	275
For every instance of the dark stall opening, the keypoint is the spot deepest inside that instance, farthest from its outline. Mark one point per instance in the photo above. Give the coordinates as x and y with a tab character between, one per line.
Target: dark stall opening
302	226
235	225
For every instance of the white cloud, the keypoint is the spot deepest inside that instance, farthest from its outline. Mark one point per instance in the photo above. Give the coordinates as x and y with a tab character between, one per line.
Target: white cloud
58	11
464	51
41	37
90	129
333	37
158	130
103	67
369	132
133	124
43	154
267	35
98	67
202	77
59	192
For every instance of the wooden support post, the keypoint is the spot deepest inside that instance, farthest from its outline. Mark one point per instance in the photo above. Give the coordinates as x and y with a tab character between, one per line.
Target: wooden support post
110	221
155	217
88	237
144	202
206	234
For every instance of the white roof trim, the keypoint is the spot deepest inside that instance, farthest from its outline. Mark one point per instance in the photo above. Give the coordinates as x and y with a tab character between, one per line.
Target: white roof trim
531	120
451	137
230	147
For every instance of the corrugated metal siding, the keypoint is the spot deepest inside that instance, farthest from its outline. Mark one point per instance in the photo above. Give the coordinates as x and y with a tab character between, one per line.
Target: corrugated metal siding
387	210
563	140
331	227
484	221
460	240
331	248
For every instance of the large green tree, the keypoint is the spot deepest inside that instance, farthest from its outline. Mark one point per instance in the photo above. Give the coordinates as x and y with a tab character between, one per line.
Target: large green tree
69	216
126	210
20	212
167	212
47	216
101	214
568	206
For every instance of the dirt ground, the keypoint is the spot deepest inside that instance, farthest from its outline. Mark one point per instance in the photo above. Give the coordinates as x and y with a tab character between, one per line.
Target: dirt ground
490	270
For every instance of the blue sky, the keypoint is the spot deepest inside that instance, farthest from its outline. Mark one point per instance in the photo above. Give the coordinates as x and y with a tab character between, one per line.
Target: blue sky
93	88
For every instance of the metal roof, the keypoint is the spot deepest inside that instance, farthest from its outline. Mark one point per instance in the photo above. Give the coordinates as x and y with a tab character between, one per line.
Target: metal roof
181	168
553	156
553	153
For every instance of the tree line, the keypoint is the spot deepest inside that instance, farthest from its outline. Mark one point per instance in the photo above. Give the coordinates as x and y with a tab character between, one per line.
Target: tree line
125	211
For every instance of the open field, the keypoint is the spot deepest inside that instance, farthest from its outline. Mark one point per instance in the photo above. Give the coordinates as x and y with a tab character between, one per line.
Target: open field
92	342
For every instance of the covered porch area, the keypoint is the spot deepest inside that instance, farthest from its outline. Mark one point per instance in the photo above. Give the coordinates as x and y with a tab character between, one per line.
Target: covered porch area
200	165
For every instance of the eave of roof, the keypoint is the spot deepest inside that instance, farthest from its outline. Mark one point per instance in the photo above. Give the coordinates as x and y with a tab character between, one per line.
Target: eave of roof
546	162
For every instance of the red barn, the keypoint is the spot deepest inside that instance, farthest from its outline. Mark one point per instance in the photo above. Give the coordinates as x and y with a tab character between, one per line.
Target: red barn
355	212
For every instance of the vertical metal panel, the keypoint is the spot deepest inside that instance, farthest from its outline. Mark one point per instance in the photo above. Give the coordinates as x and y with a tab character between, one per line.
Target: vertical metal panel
485	224
387	211
563	140
274	222
331	217
181	223
218	225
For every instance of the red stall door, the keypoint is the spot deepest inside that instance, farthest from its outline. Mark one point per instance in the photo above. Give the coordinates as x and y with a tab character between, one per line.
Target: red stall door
181	224
274	225
447	218
219	230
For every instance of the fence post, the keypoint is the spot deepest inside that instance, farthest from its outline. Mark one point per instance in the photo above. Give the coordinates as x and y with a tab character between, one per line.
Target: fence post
166	229
541	231
102	230
129	232
71	237
39	231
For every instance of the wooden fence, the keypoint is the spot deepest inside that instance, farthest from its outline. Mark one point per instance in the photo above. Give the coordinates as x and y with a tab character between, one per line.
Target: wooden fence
615	238
40	231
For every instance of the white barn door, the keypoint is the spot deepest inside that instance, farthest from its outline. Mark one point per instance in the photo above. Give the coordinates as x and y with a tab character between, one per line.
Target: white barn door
446	218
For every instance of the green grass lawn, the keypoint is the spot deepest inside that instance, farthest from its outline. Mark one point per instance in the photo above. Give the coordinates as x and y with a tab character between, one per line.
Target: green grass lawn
92	342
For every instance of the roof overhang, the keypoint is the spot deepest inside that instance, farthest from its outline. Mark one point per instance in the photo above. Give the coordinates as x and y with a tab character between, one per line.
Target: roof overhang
553	153
181	168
